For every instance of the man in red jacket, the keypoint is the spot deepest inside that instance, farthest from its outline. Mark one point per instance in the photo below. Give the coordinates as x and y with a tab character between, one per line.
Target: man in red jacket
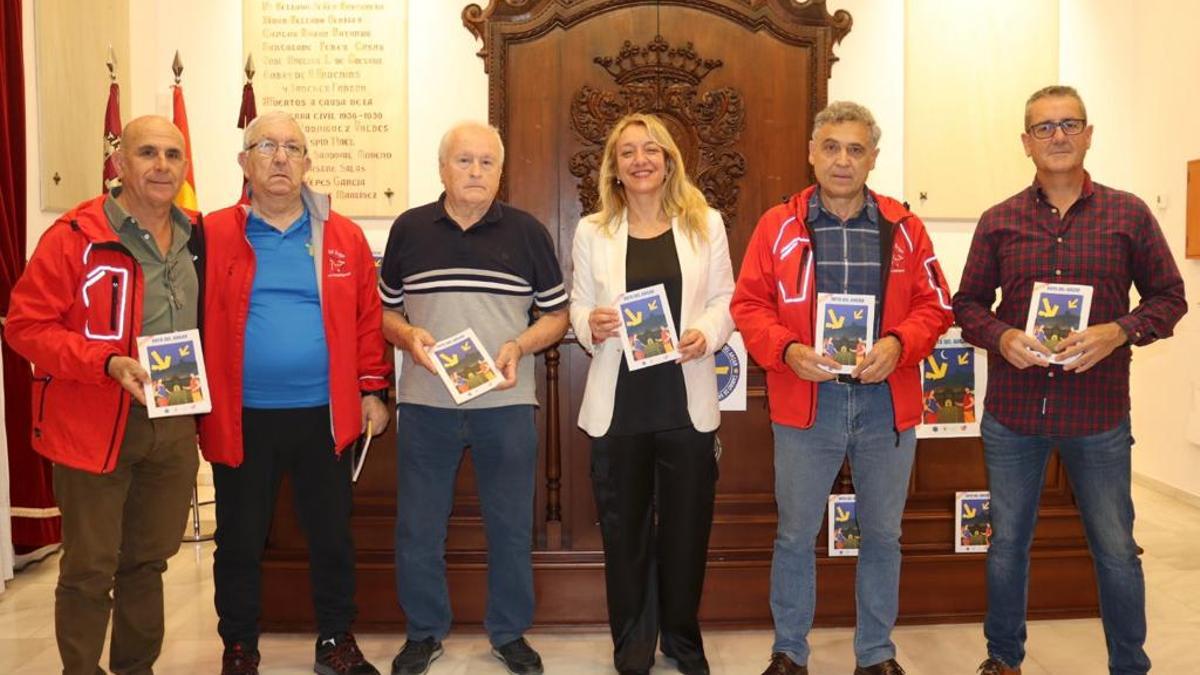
292	334
839	237
109	270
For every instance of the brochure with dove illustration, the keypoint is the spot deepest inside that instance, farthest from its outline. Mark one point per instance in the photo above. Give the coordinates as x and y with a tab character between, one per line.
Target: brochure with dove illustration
953	382
972	521
845	328
178	381
844	535
465	367
647	327
1055	312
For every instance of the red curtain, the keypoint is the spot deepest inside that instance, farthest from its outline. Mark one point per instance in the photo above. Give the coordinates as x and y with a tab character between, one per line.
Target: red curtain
29	475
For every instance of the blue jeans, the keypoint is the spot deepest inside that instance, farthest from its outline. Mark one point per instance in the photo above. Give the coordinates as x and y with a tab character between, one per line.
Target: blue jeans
430	442
855	421
1099	469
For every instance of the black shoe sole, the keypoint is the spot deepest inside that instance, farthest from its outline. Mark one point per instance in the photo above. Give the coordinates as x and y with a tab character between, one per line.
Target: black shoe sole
537	670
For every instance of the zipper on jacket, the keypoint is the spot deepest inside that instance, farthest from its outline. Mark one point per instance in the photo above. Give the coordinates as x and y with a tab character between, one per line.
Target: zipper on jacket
42	397
124	397
112	310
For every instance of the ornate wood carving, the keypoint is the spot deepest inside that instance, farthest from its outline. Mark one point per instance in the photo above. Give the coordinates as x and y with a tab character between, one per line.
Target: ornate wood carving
663	80
521	20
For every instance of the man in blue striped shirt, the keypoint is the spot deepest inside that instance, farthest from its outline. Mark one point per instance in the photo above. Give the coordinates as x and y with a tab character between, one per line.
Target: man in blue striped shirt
468	261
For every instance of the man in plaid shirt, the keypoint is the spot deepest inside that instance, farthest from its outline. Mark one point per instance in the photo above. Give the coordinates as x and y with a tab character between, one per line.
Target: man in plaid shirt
839	237
1064	229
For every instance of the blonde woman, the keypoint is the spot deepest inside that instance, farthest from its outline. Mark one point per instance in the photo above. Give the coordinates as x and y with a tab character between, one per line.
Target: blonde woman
652	429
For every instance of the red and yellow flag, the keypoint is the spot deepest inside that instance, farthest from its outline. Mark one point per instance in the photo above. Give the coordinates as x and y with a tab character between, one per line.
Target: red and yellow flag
187	192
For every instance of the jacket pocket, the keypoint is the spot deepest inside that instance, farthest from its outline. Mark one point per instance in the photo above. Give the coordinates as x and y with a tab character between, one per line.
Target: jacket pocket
106	296
41	384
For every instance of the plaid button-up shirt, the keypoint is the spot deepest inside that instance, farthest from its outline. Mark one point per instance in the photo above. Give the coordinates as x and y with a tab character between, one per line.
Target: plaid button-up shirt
1108	240
847	253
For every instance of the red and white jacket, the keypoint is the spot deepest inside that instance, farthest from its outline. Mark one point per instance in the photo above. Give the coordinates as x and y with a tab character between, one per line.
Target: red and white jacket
775	303
350	306
78	303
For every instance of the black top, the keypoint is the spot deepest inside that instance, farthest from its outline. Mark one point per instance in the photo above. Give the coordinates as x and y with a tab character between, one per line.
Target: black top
654	398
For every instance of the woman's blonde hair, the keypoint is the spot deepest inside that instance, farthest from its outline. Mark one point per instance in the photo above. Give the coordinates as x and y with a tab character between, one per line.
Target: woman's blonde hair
681	198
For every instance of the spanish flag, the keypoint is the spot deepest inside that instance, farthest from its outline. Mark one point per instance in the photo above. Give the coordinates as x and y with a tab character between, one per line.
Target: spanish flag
187	192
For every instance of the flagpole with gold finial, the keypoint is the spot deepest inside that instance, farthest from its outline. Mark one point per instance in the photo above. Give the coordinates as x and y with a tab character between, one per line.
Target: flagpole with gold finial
186	198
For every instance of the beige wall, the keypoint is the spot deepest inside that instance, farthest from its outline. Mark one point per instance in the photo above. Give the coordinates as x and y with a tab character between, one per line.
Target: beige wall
1134	62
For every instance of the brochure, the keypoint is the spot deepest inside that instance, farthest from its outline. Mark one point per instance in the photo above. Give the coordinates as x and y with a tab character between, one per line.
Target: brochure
1055	312
972	521
953	383
647	327
465	367
844	536
178	382
845	328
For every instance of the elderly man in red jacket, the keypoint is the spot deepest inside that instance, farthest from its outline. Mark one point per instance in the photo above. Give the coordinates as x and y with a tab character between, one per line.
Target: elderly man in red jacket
839	237
109	270
292	334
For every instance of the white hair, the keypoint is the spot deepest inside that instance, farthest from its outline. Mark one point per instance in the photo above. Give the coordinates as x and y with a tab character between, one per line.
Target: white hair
448	137
250	135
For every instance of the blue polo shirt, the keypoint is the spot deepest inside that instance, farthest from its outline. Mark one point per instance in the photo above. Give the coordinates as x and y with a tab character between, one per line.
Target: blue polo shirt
286	359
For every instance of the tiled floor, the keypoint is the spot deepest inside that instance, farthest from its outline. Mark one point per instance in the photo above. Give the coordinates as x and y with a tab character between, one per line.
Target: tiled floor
1168	529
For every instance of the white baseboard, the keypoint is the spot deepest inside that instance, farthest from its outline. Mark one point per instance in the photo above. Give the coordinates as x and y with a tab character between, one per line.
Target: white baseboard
1166	489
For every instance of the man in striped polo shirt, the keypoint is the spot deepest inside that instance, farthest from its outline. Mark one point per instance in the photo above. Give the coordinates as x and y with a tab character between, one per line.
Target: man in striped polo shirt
468	261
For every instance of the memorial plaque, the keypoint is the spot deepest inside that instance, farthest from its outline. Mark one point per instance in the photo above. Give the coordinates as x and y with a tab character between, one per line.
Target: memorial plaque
339	67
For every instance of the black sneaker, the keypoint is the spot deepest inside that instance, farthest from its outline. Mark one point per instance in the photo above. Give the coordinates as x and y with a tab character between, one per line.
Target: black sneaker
238	660
341	656
416	656
519	657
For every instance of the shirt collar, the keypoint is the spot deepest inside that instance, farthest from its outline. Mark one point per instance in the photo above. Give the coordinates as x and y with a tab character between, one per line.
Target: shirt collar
120	220
816	208
1087	191
494	213
302	222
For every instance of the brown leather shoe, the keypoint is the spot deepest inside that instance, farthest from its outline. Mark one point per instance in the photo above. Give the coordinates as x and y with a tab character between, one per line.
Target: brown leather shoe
994	667
889	667
782	664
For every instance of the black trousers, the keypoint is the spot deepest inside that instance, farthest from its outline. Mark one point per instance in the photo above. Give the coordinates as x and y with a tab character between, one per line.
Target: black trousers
654	496
297	442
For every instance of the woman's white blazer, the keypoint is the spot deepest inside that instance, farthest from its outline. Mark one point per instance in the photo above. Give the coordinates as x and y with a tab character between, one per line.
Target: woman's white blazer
707	287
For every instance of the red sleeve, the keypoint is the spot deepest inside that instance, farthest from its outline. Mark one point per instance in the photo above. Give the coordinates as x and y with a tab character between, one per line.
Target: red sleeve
373	368
929	309
37	325
754	305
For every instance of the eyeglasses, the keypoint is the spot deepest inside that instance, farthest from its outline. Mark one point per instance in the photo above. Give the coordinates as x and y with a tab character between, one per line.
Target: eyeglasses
1044	130
267	148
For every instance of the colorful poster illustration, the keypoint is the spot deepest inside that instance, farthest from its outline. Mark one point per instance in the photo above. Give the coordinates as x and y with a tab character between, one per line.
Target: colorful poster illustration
731	373
845	328
844	535
972	521
465	367
178	381
647	328
953	383
1055	312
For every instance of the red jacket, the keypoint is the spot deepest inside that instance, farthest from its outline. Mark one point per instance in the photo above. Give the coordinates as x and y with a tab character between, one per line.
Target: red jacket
79	302
775	304
349	303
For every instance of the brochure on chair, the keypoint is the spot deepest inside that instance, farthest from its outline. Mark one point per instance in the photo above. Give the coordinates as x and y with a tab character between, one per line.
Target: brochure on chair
845	329
178	382
1055	312
465	367
844	535
647	327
